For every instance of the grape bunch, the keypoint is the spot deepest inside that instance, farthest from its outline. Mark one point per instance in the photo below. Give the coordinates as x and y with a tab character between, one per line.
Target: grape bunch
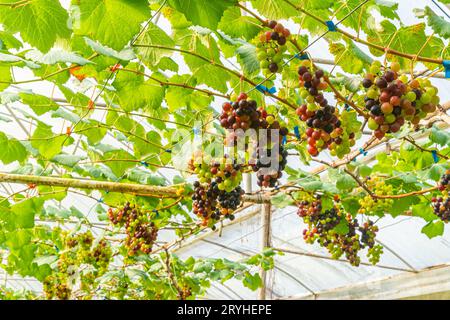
270	48
269	122
241	114
444	183
371	206
441	207
78	249
368	234
205	203
210	203
268	172
392	100
141	231
226	173
322	228
325	129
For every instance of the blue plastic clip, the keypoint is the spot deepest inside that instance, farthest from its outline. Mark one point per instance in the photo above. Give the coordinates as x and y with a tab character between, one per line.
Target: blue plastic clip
363	152
57	249
145	163
435	156
168	150
446	64
331	26
283	142
100	200
264	89
303	56
297	132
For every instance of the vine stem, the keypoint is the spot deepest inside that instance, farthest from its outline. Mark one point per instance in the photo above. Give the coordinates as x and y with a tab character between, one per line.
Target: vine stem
405	195
365	42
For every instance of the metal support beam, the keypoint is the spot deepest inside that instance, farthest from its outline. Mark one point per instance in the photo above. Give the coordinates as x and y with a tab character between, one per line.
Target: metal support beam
265	242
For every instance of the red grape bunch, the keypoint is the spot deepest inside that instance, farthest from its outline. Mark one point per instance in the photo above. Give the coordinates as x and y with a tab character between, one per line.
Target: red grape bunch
141	231
392	100
270	48
444	183
441	207
267	172
240	114
325	129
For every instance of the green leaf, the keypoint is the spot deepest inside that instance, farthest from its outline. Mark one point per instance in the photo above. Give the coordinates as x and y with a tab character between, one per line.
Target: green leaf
11	150
56	55
156	37
5	76
248	58
68	160
439	136
204	13
38	103
126	54
112	22
134	93
40	22
349	57
239	26
401	205
425	211
275	9
25	211
439	24
46	142
351	205
252	282
282	200
342	228
345	182
433	229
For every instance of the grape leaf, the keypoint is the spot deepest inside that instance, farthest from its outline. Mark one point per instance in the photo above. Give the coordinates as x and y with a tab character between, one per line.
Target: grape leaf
112	22
40	22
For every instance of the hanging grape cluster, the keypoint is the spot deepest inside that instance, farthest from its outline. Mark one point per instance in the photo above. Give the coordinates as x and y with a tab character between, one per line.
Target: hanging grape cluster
391	100
323	228
325	129
141	231
241	114
210	203
270	48
79	249
444	183
371	205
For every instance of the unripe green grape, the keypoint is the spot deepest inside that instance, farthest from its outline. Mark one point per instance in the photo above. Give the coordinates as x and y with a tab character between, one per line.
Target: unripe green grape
264	64
390	118
425	98
372	124
262	55
372	94
277	58
374	69
270	52
411	96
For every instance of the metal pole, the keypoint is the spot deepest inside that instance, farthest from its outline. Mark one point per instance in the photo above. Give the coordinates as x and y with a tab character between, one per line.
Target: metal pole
265	242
